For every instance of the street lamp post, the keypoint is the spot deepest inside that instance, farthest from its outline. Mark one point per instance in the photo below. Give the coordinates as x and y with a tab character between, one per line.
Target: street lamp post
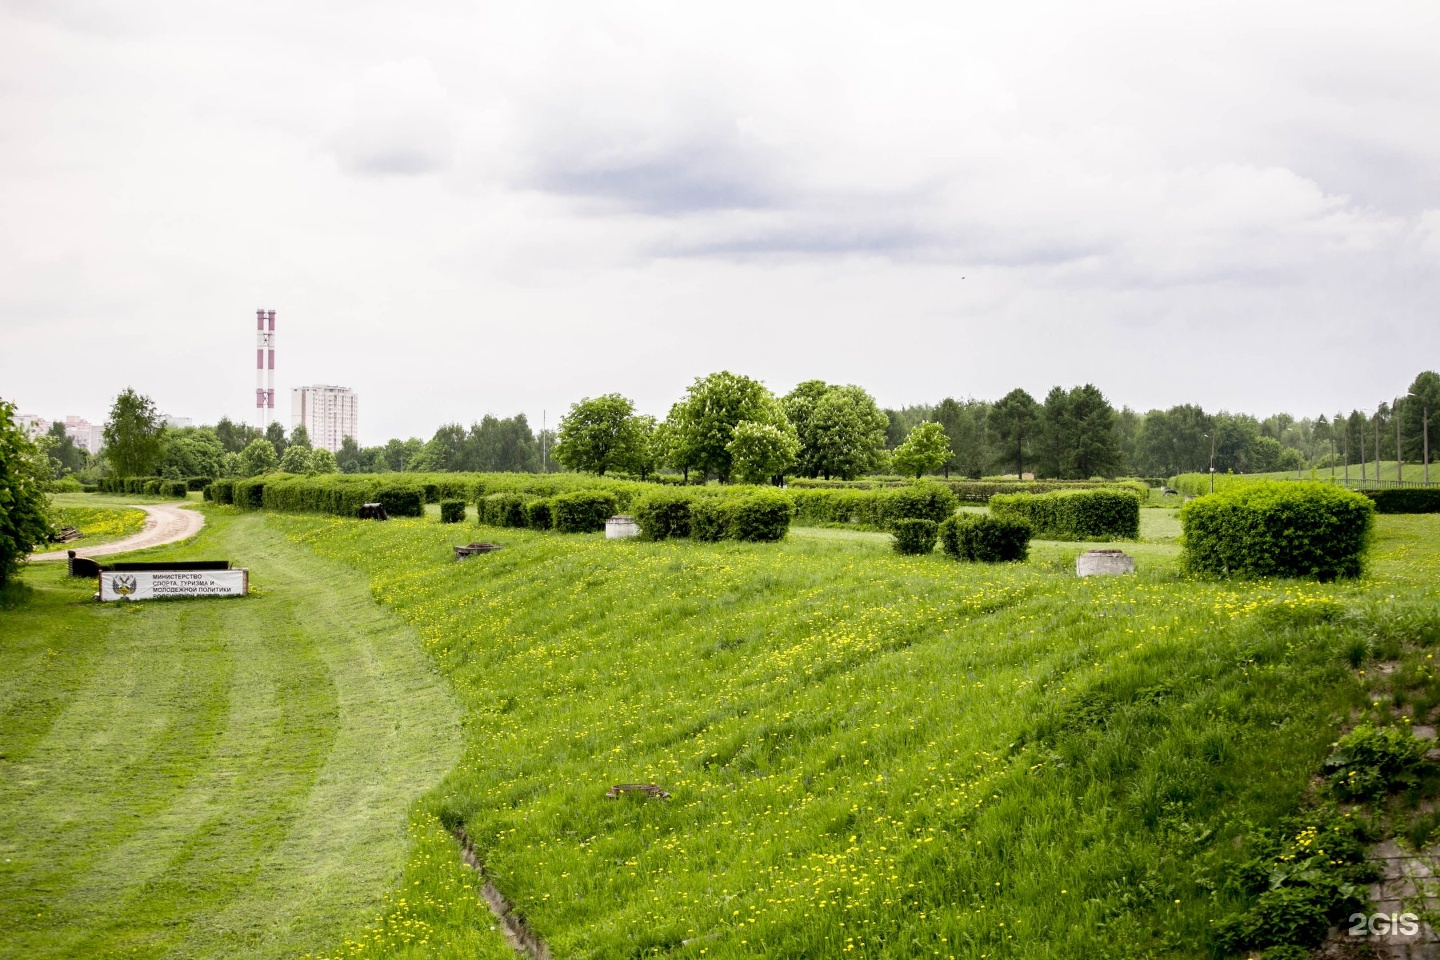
1212	463
1399	461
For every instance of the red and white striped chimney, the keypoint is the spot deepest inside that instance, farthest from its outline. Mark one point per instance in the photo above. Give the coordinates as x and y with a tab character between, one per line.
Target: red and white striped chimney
264	367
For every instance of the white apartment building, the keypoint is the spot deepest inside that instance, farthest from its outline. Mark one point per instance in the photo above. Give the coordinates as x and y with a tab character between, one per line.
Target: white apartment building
33	425
329	413
88	436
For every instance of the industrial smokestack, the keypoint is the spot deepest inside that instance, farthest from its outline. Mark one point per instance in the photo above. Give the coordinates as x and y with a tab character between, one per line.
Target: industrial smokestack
264	367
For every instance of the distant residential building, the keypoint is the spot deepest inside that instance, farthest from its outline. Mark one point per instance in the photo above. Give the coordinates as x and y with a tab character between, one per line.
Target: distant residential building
328	413
87	436
176	422
32	425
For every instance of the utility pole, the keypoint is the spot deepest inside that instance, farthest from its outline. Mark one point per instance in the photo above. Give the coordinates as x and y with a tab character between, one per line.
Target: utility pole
544	440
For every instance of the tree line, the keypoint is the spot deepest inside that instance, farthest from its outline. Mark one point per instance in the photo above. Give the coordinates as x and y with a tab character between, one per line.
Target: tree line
732	427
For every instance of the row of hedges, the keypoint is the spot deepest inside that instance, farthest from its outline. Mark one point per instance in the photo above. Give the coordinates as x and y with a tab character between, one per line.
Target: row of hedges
758	516
1075	515
151	486
1277	529
1403	500
879	509
578	511
334	494
977	491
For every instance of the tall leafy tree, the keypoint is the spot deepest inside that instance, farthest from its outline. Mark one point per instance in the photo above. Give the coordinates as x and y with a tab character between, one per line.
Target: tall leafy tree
259	457
133	435
1014	421
65	458
762	451
295	460
24	507
704	422
276	435
235	437
192	452
924	451
444	452
300	437
1052	439
349	457
799	407
846	434
323	461
502	445
599	434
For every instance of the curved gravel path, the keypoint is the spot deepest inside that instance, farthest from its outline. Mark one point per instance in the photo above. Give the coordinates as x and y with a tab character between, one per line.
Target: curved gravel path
164	523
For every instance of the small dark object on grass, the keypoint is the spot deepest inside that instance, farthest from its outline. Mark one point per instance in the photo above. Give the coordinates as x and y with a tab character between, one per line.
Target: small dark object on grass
373	511
649	789
478	546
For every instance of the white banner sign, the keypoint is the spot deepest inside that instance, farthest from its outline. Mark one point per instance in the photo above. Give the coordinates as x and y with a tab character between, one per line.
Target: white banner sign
158	584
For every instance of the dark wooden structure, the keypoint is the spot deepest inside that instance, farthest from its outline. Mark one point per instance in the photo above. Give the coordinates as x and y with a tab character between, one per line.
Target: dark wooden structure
470	549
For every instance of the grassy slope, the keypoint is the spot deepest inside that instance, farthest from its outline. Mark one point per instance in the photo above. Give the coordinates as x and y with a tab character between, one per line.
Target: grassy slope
101	520
868	753
209	778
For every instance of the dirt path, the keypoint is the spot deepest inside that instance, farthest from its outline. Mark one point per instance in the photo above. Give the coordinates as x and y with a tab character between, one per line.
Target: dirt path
164	523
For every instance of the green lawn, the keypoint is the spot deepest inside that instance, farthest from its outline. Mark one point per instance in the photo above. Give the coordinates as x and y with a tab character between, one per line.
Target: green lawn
210	778
867	754
870	753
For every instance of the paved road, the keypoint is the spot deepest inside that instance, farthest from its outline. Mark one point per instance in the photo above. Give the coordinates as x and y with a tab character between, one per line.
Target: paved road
165	523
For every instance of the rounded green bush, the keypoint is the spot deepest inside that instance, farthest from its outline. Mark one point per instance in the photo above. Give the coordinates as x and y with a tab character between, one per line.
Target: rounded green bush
540	514
915	536
452	511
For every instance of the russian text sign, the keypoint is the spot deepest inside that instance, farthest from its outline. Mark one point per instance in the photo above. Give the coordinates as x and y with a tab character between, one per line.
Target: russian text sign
160	584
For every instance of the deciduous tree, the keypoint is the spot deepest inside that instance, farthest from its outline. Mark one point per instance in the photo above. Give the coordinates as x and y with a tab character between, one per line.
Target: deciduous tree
599	434
924	451
133	435
24	507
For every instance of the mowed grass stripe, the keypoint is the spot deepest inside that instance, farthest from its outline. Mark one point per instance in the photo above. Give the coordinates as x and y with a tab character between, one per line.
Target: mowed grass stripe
221	778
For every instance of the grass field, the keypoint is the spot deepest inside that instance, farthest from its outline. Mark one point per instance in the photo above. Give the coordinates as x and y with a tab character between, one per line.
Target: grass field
209	778
867	754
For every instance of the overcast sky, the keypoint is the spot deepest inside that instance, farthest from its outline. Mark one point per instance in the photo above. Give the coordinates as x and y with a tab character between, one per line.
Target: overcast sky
461	208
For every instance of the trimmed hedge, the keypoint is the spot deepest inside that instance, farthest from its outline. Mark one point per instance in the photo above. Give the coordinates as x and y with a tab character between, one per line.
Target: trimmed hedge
1406	500
1277	529
503	509
452	511
979	538
221	491
915	536
878	509
1074	515
975	491
401	502
178	489
762	516
540	514
663	514
584	511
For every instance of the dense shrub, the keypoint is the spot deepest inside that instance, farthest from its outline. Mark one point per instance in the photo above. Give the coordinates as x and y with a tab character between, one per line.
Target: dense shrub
540	514
196	483
923	501
452	511
152	487
221	491
1406	500
250	493
985	539
64	485
584	511
762	517
915	535
663	514
503	509
1372	761
1277	528
1074	515
709	518
402	501
975	491
176	489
